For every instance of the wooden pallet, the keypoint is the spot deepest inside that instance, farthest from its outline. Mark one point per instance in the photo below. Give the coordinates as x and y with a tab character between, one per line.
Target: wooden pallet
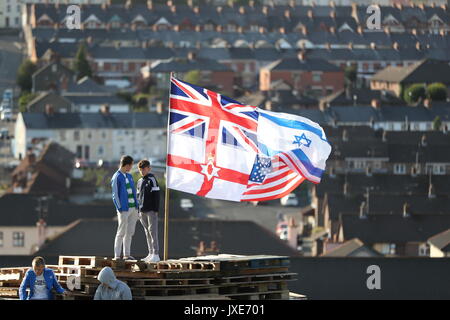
86	261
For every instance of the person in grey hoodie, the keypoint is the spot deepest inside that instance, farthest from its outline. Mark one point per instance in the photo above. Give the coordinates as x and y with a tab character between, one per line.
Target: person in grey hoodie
111	288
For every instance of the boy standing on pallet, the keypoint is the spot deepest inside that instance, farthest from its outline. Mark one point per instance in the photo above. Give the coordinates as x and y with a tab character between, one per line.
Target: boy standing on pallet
148	196
125	201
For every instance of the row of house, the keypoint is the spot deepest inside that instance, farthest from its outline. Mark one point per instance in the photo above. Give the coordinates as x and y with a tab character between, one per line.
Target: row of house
229	18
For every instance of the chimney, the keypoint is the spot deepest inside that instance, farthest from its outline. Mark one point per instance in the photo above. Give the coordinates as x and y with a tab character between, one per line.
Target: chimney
360	30
387	30
265	10
176	28
368	171
169	3
333	14
49	110
105	110
423	141
384	136
345	135
427	103
282	30
375	103
414	31
418	46
301	55
287	14
173	9
304	30
268	105
198	28
310	14
363	210
350	45
128	4
413	171
159	107
346	190
406	210
242	10
262	30
332	173
292	233
150	5
292	3
191	56
41	226
196	10
396	46
190	3
89	41
64	83
373	46
431	192
219	9
231	4
328	46
332	4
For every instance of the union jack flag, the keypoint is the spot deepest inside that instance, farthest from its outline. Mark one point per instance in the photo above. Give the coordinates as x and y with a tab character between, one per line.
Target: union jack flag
214	150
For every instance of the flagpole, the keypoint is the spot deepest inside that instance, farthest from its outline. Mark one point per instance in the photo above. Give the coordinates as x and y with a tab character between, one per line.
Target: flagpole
166	200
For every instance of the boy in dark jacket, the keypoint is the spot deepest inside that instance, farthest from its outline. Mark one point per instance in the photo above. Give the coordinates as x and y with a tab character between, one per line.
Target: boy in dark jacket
148	199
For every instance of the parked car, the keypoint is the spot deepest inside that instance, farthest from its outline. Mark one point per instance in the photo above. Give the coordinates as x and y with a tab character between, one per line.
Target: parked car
4	134
289	200
8	94
6	115
186	204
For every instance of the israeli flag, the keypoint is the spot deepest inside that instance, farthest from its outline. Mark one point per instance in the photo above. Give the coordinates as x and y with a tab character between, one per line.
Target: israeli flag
298	141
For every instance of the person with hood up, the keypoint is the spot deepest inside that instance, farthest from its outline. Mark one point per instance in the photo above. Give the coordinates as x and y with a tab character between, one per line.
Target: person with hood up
111	288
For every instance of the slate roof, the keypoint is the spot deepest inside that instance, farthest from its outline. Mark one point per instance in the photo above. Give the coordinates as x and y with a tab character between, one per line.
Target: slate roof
350	248
308	64
61	213
394	228
441	241
232	237
424	71
95	99
93	120
185	65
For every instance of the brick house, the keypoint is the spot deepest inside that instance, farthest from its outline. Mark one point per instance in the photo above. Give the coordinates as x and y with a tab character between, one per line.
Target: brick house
315	77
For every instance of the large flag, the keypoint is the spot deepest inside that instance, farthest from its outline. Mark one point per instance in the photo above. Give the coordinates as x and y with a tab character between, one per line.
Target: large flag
222	149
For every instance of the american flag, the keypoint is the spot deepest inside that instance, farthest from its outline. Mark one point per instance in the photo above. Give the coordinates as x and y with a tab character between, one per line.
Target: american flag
214	150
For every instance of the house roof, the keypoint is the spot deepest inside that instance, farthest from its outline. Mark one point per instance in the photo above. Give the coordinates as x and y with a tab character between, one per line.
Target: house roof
185	65
350	248
441	241
233	237
364	96
60	212
427	70
94	99
381	183
381	203
310	64
393	228
93	120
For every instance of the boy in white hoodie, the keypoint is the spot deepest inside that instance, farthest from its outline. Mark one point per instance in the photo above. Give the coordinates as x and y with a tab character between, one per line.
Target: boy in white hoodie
111	288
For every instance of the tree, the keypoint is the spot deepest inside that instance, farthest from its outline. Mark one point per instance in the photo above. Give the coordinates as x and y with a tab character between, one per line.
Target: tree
81	66
414	92
437	123
437	92
24	75
24	99
193	77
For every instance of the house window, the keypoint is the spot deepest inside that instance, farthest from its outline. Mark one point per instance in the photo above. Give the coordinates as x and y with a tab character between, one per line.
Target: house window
399	168
100	150
76	135
1	239
79	152
439	169
103	135
19	239
89	135
122	150
317	76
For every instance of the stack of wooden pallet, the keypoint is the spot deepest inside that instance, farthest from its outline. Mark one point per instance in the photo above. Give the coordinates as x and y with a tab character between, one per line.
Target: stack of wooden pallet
207	277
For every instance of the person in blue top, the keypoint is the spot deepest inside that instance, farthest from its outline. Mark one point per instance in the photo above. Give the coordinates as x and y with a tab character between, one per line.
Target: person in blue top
40	280
125	201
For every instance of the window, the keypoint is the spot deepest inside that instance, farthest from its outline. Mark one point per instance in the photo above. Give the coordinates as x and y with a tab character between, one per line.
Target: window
399	168
122	150
1	239
76	135
86	152
439	169
8	8
100	150
317	76
79	151
19	239
62	135
89	135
